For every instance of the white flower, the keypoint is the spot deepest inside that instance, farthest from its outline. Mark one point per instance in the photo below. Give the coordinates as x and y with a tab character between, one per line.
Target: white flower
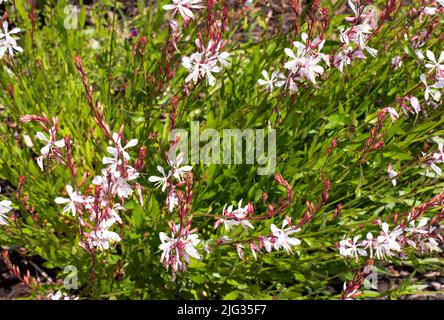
112	163
369	243
231	218
172	200
59	295
241	215
419	228
294	61
74	198
387	241
192	65
396	62
5	207
282	238
121	150
190	247
222	58
240	250
50	142
430	11
351	248
184	6
433	63
206	71
342	59
114	212
392	174
102	238
277	79
227	222
55	296
392	112
431	91
434	167
173	248
415	104
310	68
123	188
204	63
432	245
8	43
161	181
166	246
305	66
177	171
439	156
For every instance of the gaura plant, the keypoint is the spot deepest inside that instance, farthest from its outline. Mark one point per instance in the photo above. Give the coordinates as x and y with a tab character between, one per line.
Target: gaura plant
91	180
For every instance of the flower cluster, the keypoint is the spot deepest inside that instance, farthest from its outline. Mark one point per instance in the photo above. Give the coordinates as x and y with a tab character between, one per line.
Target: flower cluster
355	38
116	181
177	249
304	64
279	238
184	8
101	206
53	148
207	60
232	218
60	296
419	235
176	172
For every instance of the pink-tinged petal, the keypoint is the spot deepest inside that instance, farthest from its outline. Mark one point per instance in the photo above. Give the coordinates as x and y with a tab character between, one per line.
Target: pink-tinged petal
169	7
45	150
5	203
131	143
60	143
415	104
154	179
422	77
18	49
429	65
41	136
69	189
265	74
186	168
436	169
40	162
290	53
293	241
15	30
274	229
431	56
108	160
61	200
186	12
262	82
318	69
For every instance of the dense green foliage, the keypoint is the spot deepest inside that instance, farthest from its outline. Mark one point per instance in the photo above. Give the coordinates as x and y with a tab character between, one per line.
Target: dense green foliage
135	89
